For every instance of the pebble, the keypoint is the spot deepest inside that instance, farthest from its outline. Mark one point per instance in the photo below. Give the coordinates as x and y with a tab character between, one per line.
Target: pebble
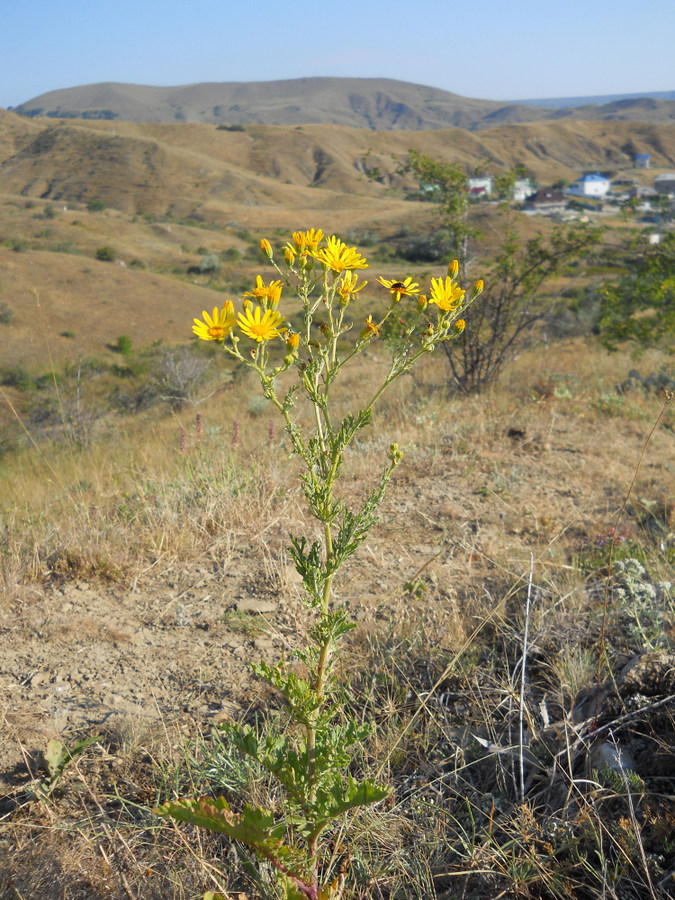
263	644
251	605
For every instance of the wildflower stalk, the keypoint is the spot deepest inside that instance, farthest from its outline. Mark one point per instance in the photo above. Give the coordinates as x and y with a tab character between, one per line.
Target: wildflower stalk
312	762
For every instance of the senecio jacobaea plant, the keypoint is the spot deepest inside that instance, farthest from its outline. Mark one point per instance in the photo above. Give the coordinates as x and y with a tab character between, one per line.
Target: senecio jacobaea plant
311	759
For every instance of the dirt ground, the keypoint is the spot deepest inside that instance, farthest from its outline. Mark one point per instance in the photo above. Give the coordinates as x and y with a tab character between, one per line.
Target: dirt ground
174	642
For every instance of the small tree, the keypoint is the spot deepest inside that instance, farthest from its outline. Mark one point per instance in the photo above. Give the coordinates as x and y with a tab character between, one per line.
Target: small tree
446	184
513	303
639	307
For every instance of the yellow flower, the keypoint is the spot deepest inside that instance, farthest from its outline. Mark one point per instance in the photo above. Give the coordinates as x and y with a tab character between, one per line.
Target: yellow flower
216	326
293	341
348	288
372	329
261	326
266	248
398	289
336	255
453	268
307	240
478	287
446	294
267	294
459	326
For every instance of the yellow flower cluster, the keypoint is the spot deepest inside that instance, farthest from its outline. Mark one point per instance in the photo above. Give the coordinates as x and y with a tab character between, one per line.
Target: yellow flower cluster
262	322
267	294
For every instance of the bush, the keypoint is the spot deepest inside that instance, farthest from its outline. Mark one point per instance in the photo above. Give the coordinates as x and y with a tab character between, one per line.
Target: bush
6	314
96	205
124	345
106	254
210	264
18	377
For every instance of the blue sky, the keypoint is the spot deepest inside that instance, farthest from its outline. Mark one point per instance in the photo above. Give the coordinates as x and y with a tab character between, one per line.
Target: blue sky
488	49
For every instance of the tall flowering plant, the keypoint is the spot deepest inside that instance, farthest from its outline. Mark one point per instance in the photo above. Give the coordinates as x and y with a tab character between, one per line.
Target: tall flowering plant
311	760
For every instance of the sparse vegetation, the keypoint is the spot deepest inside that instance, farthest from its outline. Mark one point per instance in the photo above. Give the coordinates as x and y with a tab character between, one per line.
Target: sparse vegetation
521	711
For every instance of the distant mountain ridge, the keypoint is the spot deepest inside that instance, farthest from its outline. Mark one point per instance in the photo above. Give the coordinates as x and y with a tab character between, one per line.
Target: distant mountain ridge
596	100
378	104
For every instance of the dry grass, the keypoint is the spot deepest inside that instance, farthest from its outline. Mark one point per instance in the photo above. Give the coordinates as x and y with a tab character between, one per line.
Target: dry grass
439	595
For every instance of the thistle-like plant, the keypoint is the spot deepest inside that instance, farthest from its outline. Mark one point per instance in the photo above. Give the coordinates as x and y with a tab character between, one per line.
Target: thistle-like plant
311	759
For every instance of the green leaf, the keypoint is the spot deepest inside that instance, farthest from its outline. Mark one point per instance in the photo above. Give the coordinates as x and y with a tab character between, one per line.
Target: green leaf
338	799
58	755
254	826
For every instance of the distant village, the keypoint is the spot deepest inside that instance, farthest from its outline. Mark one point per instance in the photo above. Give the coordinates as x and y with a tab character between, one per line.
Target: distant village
592	192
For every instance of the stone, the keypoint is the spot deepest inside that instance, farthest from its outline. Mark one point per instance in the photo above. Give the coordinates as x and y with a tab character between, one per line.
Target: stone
252	605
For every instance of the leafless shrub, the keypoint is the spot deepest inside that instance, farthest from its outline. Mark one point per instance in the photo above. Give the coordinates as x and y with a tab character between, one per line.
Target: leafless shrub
179	376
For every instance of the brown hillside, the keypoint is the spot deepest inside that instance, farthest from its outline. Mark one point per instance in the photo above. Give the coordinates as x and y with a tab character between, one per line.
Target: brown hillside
199	171
377	104
50	293
373	103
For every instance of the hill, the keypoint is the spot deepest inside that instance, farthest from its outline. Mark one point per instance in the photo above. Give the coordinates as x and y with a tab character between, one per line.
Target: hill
207	174
173	194
378	104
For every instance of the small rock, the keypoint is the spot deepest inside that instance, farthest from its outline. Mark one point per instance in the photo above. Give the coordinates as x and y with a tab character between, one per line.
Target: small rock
251	605
612	756
650	673
263	644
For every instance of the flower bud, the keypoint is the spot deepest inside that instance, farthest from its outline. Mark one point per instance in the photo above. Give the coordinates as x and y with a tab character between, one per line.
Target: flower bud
246	303
422	303
293	341
478	287
453	268
459	326
266	248
395	455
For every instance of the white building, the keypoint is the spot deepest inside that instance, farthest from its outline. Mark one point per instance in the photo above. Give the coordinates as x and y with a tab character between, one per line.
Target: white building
665	184
480	187
590	186
522	189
